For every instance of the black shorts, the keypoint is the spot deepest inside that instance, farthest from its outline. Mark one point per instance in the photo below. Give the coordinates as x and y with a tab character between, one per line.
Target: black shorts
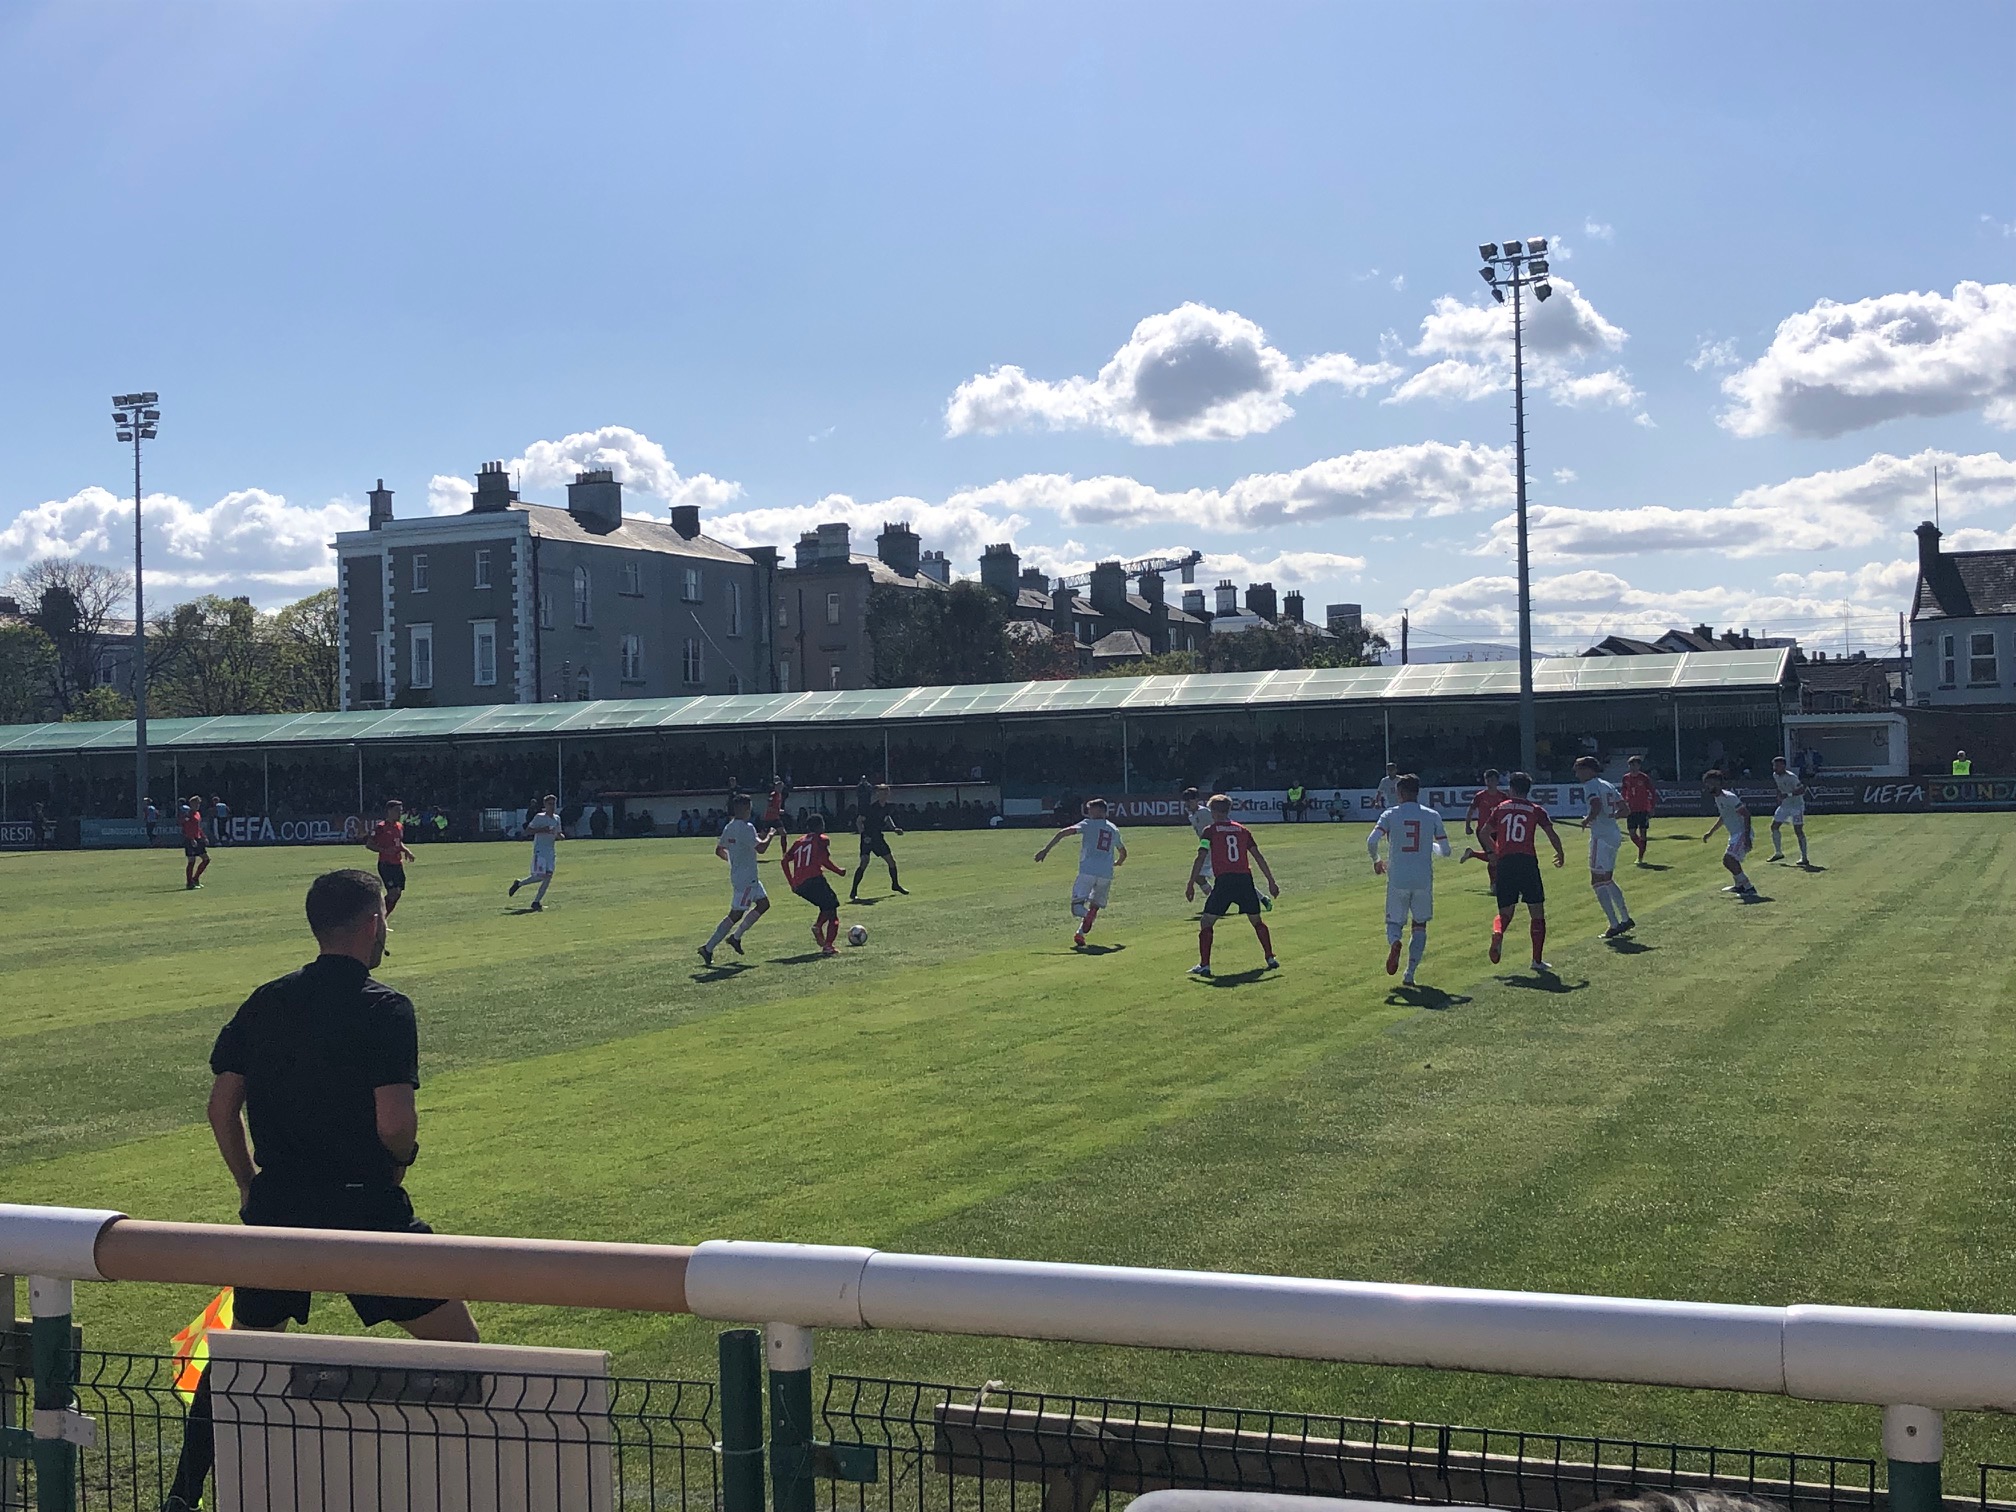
819	893
1639	824
1519	882
394	877
373	1209
1230	890
874	845
194	848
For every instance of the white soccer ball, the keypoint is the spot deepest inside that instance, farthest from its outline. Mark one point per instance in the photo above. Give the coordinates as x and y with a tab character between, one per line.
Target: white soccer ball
858	935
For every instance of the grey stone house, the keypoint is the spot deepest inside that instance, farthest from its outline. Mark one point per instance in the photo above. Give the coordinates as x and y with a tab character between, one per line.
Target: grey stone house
822	604
515	602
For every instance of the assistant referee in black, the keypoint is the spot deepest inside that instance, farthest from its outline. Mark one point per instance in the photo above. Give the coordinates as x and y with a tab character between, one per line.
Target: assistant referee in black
322	1064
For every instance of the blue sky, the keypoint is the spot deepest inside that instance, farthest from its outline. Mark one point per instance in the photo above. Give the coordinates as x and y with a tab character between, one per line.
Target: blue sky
1105	280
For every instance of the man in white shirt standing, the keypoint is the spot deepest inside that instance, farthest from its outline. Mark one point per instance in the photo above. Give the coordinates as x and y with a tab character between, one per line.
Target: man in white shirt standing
1099	851
1732	816
1389	787
1606	838
748	902
1413	835
546	831
1791	810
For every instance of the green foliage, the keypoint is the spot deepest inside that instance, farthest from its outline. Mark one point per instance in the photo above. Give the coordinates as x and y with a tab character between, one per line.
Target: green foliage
222	656
308	656
97	704
924	638
1048	658
1264	648
72	603
27	672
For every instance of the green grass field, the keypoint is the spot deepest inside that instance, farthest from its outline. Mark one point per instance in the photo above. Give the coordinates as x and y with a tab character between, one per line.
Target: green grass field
1803	1100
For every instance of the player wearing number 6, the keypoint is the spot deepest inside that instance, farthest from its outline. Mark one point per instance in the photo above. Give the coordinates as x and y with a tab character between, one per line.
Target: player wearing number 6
1413	835
1231	854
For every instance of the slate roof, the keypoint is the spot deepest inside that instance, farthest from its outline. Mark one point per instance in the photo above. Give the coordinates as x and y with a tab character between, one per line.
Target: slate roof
1967	583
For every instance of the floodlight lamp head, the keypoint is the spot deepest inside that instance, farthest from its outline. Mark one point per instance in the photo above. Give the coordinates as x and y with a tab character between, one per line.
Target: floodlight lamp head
1543	292
148	433
1537	266
1497	293
1487	250
1536	244
131	401
1512	247
1489	275
152	414
125	435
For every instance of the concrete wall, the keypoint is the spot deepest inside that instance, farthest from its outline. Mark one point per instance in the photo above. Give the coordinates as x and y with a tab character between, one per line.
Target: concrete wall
452	604
1928	687
811	645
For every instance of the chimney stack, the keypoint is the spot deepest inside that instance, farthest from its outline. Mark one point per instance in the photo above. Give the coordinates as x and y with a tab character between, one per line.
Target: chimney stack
595	499
1344	619
493	489
686	521
1291	607
808	551
1000	568
1034	577
1063	612
381	506
1151	588
1928	550
834	543
933	565
1109	591
899	548
1193	601
1260	601
1228	599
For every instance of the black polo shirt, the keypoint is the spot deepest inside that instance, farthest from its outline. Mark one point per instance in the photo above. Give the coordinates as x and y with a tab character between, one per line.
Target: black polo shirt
313	1048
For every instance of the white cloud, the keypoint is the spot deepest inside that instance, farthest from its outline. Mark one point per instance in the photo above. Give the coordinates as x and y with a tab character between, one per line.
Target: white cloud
1714	354
1836	510
1839	367
1192	373
1285	569
1597	230
1564	475
250	541
1471	345
638	462
448	494
959	527
1398	282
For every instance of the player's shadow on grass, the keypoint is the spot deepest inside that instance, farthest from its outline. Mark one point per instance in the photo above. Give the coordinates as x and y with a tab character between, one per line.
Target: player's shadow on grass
1095	950
798	960
862	902
1538	983
1755	897
1234	978
1650	866
726	971
516	912
1432	998
1629	947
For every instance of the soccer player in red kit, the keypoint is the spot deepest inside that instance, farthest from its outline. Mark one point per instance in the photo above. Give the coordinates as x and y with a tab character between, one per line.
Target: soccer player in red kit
1515	826
1478	822
195	849
773	807
1229	848
388	839
1640	798
806	862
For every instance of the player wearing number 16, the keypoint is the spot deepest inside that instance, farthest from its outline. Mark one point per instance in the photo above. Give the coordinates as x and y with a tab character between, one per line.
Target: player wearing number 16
1515	827
1413	835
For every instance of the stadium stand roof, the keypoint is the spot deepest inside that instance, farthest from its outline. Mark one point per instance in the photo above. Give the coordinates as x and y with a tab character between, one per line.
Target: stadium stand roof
1554	677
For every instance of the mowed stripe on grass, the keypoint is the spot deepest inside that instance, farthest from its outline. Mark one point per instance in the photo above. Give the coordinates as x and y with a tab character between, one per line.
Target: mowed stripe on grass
1790	1101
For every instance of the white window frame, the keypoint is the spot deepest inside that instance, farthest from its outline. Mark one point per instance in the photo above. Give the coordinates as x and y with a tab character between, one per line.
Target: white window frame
584	602
420	656
584	685
734	608
734	682
482	566
631	654
783	615
833	677
832	608
690	585
382	644
1979	660
692	663
545	610
1948	666
482	636
418	578
633	579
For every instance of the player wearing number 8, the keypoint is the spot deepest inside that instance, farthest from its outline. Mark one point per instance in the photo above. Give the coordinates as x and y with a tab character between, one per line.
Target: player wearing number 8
1232	855
1413	835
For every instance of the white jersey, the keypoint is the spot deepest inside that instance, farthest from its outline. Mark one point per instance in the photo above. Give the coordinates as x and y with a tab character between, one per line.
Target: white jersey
1610	807
544	829
1200	821
1730	807
1413	834
738	838
1389	792
1097	841
1789	784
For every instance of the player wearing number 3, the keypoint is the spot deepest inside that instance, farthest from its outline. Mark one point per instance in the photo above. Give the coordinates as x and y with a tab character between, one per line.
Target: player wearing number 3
1413	835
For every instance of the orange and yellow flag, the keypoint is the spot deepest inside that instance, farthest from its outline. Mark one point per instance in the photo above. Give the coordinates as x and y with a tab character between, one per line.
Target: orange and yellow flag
192	1344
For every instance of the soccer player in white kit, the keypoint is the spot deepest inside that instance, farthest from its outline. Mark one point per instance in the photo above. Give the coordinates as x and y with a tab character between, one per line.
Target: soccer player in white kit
1730	815
747	902
1099	851
1413	835
1791	810
1606	807
545	829
1389	787
1200	821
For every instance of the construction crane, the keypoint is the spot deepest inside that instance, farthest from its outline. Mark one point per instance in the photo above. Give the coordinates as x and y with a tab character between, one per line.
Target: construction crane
1185	564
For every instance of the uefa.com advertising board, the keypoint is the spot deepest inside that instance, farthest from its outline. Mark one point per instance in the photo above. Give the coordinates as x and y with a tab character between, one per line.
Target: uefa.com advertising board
239	829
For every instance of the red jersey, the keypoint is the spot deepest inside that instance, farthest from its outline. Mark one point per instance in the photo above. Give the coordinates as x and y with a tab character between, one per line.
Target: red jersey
1640	796
1229	841
774	809
1484	805
388	838
806	857
192	824
1516	824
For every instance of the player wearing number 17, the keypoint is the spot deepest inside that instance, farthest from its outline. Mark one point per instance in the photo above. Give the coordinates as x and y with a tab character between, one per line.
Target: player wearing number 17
1413	835
1231	854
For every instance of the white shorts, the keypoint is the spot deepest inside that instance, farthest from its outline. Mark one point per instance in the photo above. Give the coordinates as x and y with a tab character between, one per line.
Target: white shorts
1738	847
748	896
1603	854
1403	902
1090	891
542	862
1791	811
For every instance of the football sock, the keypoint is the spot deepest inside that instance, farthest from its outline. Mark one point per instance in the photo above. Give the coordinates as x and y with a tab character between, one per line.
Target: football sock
1539	932
1417	947
391	902
1091	913
1617	897
720	933
1498	924
1266	939
1602	892
544	883
892	875
1802	848
1203	947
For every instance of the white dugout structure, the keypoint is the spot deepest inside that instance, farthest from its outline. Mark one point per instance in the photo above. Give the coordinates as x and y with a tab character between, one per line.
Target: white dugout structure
1913	1365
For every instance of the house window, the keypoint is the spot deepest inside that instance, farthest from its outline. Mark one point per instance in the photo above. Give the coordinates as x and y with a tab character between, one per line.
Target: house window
691	668
584	684
633	579
633	659
104	674
421	660
691	591
419	572
482	566
382	645
484	658
1981	658
734	682
581	597
1946	668
833	610
545	611
833	677
783	615
734	608
783	677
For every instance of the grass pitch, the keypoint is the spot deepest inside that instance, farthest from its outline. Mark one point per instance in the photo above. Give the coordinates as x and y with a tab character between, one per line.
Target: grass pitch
1801	1100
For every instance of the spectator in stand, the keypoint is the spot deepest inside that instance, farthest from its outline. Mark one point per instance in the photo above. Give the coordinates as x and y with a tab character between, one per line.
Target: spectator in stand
220	820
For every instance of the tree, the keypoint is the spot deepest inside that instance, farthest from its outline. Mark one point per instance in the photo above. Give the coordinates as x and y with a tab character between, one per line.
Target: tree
924	638
100	703
27	673
1043	657
308	657
216	658
71	602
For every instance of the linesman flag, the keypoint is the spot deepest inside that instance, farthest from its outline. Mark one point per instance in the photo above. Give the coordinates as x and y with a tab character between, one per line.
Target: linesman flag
192	1345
